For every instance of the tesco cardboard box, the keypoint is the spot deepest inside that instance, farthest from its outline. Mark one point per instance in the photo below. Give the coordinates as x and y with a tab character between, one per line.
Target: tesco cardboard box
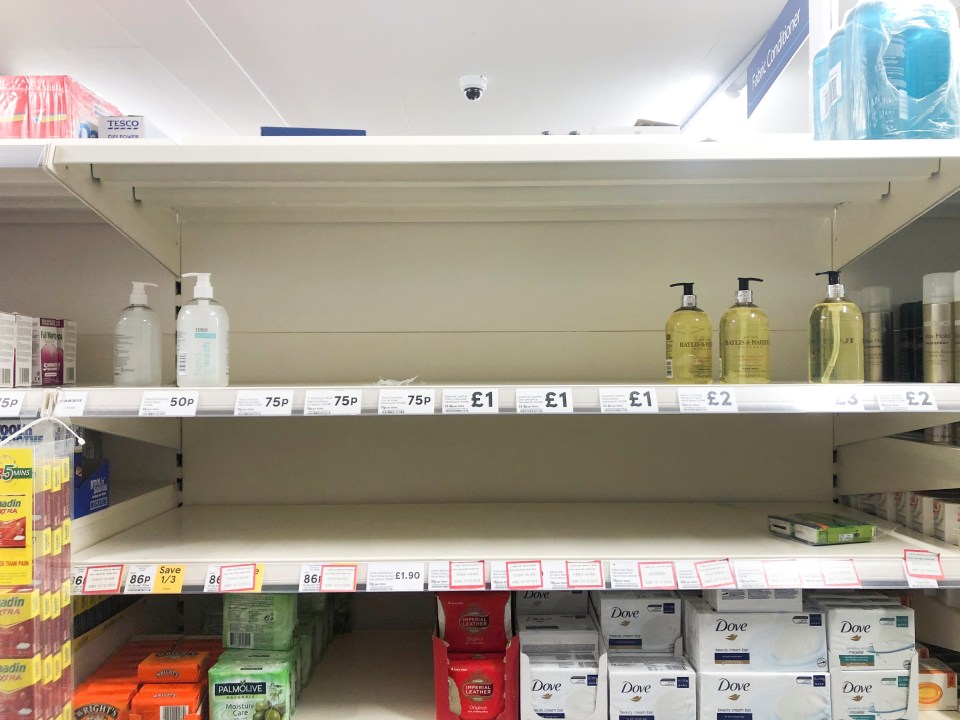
128	126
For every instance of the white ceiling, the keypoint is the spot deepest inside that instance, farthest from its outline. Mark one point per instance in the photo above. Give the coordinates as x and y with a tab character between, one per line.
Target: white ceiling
226	67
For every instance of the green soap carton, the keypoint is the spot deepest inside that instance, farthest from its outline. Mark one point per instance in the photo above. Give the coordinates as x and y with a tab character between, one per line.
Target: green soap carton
288	658
248	689
822	528
262	621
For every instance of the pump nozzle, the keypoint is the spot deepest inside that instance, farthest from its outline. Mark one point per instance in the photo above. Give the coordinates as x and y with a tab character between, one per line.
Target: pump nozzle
833	276
689	299
203	288
745	282
687	287
834	288
744	293
139	294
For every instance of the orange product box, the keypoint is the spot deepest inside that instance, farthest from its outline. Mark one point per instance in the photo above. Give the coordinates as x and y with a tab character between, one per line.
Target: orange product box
175	666
98	703
153	699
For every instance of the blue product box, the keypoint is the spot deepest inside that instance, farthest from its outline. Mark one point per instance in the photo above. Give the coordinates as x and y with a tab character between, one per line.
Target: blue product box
91	487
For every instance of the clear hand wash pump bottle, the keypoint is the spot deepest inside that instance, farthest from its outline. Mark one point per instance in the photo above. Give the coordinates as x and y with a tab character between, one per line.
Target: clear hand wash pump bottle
744	339
836	337
689	342
136	342
202	338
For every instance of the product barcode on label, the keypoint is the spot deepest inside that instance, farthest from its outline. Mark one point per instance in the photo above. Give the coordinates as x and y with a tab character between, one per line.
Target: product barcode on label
70	375
6	376
182	363
24	376
241	639
173	712
834	91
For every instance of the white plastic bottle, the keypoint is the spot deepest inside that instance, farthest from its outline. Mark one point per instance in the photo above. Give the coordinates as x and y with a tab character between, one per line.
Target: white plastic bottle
202	338
136	342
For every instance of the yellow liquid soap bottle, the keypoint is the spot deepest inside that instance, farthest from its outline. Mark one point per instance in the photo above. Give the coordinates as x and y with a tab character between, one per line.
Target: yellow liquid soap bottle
836	337
745	339
689	342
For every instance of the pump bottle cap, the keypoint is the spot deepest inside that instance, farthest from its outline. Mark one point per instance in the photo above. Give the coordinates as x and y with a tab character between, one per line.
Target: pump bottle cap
689	299
938	288
139	294
203	289
744	293
876	298
834	288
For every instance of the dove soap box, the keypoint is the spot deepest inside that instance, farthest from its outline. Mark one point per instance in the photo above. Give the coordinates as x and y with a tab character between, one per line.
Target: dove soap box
753	641
638	620
766	696
755	600
651	687
561	686
552	602
557	634
874	637
858	694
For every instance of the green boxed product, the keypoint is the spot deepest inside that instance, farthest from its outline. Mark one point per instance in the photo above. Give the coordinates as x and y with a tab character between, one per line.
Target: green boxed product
304	633
259	621
822	528
250	690
288	659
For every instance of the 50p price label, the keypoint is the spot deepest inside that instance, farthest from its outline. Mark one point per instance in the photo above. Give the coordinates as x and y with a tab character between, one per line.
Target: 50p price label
544	400
169	403
628	400
471	401
11	403
407	401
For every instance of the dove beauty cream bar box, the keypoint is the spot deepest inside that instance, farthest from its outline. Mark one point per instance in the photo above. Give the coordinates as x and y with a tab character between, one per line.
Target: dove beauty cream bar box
651	687
765	696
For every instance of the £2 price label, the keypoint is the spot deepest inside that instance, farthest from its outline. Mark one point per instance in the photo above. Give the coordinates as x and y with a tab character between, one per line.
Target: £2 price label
707	400
901	399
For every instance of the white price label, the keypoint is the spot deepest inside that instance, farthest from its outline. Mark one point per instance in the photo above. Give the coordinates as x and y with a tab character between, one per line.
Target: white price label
471	401
544	400
238	578
585	575
912	399
11	403
839	573
338	578
498	575
211	583
707	400
169	403
333	401
71	403
438	576
263	403
628	400
687	577
407	401
395	577
923	564
849	400
657	576
715	573
525	575
467	575
140	579
782	573
624	575
102	580
749	574
810	574
78	573
310	577
554	574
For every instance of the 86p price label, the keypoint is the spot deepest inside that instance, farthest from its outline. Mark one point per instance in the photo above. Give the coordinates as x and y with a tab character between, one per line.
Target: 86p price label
140	579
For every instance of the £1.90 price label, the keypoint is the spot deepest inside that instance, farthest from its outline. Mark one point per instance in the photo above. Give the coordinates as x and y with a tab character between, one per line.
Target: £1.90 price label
11	403
704	400
396	577
471	401
333	401
544	400
407	401
263	403
169	403
628	400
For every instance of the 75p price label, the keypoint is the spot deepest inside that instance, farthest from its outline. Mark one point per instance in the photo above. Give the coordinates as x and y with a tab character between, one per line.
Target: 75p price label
263	403
169	403
11	403
407	401
547	400
471	401
333	401
628	400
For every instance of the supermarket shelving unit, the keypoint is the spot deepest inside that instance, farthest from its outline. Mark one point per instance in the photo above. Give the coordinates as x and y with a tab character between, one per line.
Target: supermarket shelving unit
515	264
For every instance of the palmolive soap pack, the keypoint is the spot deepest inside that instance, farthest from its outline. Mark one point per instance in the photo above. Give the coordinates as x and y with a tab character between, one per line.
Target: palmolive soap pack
638	619
881	694
651	687
753	642
243	689
259	621
477	622
765	696
563	686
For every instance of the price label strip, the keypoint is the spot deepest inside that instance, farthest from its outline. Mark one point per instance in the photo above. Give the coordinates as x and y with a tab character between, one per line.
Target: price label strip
11	403
338	578
782	573
467	575
169	579
715	574
839	573
913	399
584	575
619	400
310	577
657	576
396	577
849	401
333	401
525	575
624	575
78	573
240	577
705	400
471	401
102	580
544	400
169	403
71	403
687	577
407	401
923	568
263	403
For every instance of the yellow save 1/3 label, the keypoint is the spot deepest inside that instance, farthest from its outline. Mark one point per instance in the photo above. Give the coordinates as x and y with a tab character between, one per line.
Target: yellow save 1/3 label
169	579
16	516
19	673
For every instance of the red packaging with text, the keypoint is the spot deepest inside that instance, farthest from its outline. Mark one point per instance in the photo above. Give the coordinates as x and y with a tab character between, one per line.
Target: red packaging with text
474	622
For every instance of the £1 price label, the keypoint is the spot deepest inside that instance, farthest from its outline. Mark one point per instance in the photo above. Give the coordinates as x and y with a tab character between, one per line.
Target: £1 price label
263	403
11	403
628	400
407	401
333	401
471	401
545	400
169	403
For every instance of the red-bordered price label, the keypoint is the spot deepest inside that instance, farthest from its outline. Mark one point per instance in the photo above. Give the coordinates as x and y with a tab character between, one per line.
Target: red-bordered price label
236	577
585	575
715	573
839	573
338	578
525	575
923	564
657	575
102	580
467	575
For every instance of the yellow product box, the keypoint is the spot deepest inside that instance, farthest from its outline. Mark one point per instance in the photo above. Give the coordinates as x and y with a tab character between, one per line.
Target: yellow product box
20	623
16	517
938	685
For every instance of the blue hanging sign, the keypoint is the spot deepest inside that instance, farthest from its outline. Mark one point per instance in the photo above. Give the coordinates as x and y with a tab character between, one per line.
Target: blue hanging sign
779	46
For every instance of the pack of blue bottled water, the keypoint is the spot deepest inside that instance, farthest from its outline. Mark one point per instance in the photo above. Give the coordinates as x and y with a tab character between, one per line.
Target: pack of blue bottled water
892	70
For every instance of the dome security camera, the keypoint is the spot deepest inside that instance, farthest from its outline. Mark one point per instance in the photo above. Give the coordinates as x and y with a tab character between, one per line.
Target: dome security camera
473	86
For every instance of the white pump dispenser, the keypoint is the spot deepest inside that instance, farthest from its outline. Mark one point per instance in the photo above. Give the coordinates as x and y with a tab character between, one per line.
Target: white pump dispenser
202	338
136	342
